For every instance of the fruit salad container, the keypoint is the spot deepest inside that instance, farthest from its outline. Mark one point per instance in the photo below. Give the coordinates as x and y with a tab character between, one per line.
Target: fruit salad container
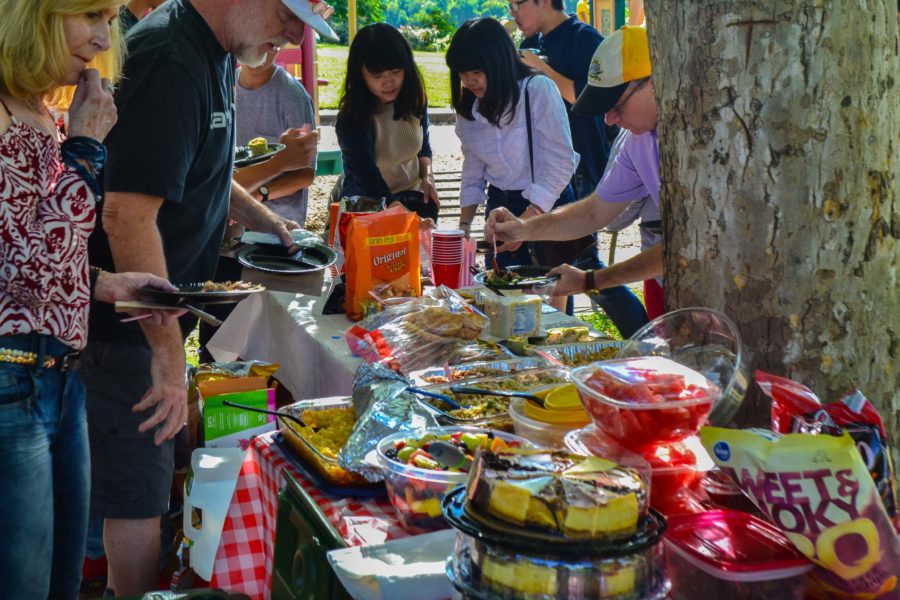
416	482
674	472
488	565
705	340
733	555
647	401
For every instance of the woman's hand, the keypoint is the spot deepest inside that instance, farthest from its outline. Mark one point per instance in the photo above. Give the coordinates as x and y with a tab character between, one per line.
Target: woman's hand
429	189
92	112
113	287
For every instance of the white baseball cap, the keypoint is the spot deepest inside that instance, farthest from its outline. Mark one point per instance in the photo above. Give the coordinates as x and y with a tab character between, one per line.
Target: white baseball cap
621	58
313	13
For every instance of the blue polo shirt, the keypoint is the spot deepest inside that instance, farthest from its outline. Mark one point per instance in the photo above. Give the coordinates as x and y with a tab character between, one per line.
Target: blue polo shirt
569	49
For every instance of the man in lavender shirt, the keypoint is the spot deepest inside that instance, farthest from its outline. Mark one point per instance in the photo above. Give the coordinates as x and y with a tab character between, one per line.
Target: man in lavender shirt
619	86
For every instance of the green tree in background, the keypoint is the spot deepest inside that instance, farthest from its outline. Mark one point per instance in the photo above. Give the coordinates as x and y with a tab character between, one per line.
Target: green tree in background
367	12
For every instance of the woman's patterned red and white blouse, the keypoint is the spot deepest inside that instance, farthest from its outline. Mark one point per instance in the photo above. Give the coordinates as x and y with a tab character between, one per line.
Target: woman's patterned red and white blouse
47	213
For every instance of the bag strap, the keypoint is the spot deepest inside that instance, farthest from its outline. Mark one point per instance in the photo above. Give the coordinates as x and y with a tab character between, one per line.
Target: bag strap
528	127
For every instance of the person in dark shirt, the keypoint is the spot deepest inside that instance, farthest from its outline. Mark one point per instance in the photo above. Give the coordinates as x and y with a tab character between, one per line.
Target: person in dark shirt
169	192
134	11
568	45
382	123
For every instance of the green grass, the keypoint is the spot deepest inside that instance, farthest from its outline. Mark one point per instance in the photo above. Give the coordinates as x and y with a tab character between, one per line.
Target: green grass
333	67
600	321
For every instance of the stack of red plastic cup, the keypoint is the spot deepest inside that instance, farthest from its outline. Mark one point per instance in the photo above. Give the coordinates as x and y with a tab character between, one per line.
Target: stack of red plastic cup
446	256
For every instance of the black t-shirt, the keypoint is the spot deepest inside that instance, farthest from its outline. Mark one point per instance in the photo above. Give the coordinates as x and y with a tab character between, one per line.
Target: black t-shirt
569	49
127	20
174	139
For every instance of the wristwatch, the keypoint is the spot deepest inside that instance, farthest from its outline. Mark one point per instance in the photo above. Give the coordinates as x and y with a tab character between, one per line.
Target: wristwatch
589	288
264	192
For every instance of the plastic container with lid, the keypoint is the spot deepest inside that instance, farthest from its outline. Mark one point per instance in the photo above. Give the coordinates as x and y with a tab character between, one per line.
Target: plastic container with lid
490	563
646	401
548	425
733	555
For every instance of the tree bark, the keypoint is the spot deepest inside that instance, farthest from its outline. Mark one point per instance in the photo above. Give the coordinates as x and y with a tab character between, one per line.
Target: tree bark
779	129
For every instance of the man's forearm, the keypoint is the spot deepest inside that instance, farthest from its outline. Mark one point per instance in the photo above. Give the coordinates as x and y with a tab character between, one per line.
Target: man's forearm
565	85
573	220
646	265
254	176
136	245
245	209
290	183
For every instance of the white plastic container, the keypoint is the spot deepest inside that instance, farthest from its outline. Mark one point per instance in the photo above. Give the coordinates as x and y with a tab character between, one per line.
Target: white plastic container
513	316
549	435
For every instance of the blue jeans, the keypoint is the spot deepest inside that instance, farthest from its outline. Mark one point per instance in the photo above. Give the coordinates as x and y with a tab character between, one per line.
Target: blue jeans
44	474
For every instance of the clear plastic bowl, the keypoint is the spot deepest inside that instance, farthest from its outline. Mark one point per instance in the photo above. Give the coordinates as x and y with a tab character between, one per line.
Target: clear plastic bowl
654	400
705	340
416	493
549	435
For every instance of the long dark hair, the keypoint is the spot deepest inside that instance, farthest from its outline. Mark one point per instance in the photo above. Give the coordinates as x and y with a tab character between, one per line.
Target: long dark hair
483	45
378	48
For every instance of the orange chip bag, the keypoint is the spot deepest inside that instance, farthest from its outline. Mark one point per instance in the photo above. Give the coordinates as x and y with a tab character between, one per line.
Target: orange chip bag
818	491
383	258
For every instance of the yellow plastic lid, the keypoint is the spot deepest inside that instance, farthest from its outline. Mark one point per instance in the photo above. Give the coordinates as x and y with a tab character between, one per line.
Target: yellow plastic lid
562	406
564	398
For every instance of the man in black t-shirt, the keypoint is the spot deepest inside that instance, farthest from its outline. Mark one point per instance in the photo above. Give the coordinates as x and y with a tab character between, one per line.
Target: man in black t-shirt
169	192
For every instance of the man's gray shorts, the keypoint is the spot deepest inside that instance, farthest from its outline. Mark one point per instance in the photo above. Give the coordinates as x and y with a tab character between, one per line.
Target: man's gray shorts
130	476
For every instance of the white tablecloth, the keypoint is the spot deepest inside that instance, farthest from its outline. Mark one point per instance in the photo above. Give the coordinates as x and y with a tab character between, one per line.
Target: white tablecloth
290	329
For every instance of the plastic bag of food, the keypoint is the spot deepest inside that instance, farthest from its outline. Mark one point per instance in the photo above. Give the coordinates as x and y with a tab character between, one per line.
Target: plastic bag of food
339	216
383	406
817	490
382	258
796	409
422	333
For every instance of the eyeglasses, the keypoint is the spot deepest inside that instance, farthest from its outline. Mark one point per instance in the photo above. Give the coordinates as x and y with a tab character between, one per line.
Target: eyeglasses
516	5
626	97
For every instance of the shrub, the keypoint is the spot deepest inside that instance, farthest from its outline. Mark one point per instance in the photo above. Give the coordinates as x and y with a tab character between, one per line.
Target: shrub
430	39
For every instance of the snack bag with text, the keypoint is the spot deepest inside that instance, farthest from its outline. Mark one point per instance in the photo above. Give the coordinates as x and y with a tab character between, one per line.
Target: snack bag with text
796	409
818	491
382	258
339	216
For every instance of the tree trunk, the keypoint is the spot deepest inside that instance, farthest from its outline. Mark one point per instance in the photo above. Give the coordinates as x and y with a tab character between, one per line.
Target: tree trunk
779	126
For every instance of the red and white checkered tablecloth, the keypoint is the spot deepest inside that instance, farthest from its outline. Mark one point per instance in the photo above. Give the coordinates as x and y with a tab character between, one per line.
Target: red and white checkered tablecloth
244	560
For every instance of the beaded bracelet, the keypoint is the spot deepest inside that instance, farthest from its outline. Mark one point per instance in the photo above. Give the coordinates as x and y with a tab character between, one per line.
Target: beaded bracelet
87	149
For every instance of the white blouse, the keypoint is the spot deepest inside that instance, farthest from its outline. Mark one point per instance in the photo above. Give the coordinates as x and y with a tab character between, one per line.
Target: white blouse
499	155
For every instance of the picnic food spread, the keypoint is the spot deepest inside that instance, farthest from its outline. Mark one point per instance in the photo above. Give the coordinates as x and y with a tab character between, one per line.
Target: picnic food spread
610	448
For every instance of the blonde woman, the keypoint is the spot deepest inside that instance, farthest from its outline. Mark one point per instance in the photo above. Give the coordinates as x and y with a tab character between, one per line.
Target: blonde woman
48	191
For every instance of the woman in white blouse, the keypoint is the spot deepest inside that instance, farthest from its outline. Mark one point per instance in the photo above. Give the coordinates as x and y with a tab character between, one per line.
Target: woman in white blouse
495	95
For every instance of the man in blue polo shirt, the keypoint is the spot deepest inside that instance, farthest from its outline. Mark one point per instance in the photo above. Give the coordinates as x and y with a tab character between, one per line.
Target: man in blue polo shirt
568	46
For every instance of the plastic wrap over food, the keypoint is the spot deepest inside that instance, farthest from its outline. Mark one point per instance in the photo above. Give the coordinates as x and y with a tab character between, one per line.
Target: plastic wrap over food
383	406
422	333
476	370
578	354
